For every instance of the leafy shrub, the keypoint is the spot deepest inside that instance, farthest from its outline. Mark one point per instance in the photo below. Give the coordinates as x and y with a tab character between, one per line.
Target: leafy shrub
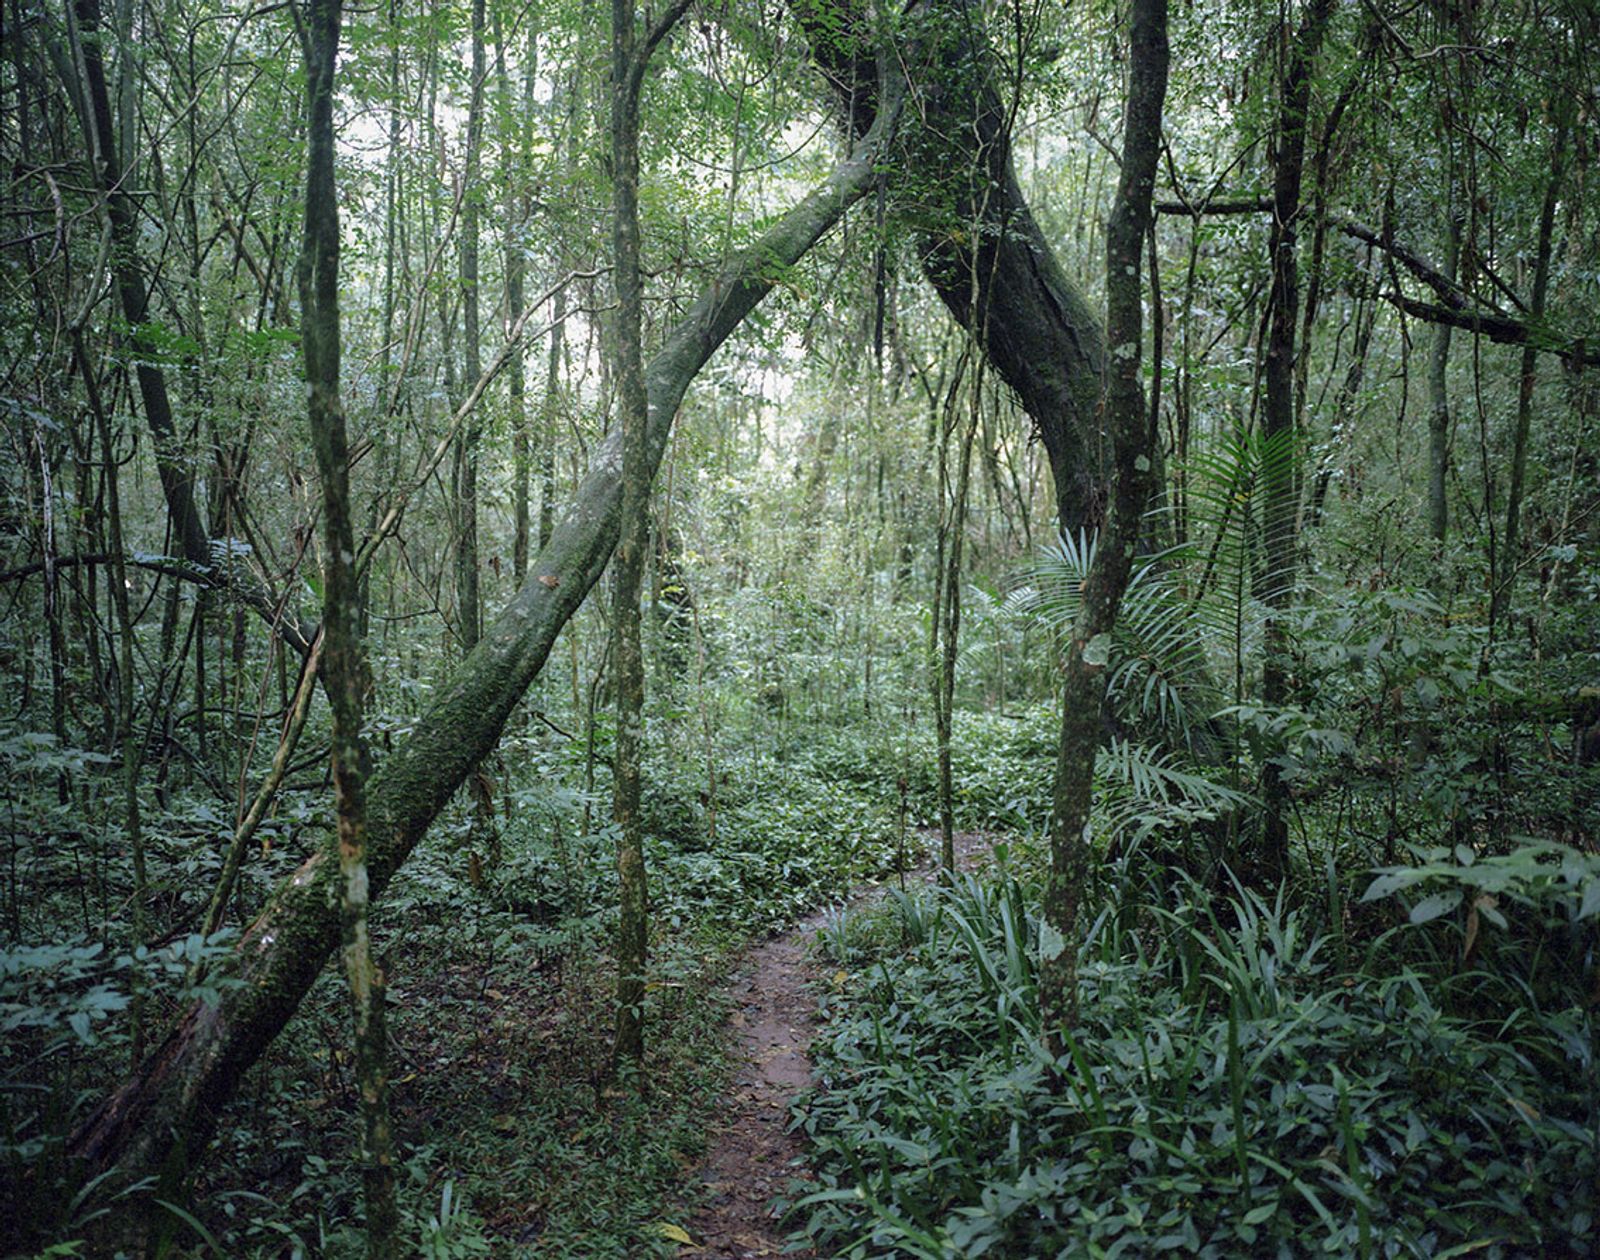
1227	1091
1552	890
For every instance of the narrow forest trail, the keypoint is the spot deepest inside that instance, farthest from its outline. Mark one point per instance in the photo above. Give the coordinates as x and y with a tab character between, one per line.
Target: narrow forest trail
751	1154
749	1148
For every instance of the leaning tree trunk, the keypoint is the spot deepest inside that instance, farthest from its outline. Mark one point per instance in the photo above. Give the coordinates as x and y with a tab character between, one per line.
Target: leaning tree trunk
161	1119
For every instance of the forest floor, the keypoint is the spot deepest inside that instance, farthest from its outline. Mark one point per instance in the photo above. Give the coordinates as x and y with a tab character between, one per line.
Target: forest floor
752	1152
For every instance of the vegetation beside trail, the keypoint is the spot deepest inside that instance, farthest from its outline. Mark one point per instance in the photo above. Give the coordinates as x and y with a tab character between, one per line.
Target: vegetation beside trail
525	501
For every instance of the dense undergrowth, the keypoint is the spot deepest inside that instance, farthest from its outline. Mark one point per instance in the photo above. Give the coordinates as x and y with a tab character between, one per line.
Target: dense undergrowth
1251	1073
1245	1077
495	938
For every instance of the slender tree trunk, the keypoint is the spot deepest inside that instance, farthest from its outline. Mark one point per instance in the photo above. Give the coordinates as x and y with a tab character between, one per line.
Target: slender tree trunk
550	409
1344	404
514	157
1125	416
629	58
1439	399
947	630
1525	382
52	605
126	726
628	565
388	445
344	666
468	604
294	724
1281	499
550	413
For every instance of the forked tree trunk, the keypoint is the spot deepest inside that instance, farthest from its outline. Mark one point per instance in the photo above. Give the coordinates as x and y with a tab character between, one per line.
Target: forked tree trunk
159	1121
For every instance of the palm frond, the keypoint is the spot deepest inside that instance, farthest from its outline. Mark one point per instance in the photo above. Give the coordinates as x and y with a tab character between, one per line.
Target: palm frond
1145	790
1159	672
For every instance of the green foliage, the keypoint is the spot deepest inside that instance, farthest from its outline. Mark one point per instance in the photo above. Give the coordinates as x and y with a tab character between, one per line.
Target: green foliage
789	752
1228	1091
1159	673
1540	891
1549	879
451	1232
57	989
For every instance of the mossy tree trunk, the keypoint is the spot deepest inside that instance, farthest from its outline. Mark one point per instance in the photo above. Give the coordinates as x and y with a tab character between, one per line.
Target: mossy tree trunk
629	57
344	667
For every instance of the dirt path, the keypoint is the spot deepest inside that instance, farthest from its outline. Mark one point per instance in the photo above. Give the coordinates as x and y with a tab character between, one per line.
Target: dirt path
751	1155
749	1148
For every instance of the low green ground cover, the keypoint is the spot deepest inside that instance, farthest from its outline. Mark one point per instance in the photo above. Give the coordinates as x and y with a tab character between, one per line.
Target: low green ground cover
1242	1079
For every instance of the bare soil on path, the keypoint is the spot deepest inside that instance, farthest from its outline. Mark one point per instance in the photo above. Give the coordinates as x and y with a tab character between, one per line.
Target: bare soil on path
751	1154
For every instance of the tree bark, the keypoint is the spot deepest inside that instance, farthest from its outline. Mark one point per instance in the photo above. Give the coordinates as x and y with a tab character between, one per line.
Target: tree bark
1281	498
344	668
1439	399
947	611
468	604
514	159
1037	329
1084	682
1525	381
162	1117
628	60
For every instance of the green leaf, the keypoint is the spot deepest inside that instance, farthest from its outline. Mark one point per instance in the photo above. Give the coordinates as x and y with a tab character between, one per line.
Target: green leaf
1389	883
1431	907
